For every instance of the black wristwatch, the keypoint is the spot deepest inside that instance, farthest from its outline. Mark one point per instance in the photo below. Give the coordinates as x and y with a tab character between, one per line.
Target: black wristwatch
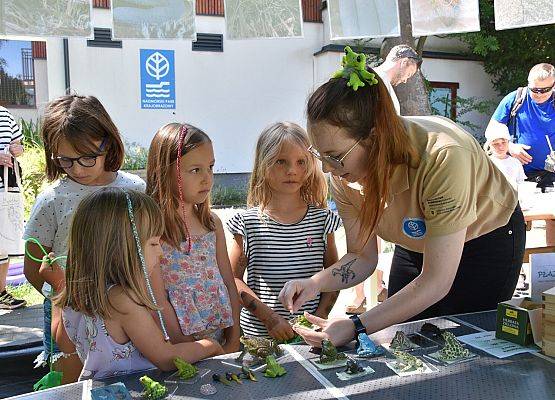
359	328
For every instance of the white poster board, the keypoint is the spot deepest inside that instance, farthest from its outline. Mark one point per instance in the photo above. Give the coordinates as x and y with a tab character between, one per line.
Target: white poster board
43	18
433	17
542	270
355	19
256	19
72	391
510	14
153	19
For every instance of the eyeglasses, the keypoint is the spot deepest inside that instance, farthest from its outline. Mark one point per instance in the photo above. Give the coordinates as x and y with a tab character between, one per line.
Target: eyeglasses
542	90
334	162
87	161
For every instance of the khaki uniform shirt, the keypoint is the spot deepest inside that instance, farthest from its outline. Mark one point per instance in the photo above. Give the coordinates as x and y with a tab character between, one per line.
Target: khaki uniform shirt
454	186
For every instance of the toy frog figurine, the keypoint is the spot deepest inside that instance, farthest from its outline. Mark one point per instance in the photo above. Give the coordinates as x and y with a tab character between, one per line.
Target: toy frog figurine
353	367
153	390
401	342
407	362
329	353
260	348
300	320
354	70
366	348
273	369
184	369
453	349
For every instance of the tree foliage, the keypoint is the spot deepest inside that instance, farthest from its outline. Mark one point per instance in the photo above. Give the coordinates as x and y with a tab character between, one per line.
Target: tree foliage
509	54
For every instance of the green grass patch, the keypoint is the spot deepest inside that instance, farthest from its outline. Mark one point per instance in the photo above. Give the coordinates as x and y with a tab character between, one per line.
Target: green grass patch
26	292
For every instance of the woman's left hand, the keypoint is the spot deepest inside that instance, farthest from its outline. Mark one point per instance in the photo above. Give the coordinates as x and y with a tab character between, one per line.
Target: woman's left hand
339	331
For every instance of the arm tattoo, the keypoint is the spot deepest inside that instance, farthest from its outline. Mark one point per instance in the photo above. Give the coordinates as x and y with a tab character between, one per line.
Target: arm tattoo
345	271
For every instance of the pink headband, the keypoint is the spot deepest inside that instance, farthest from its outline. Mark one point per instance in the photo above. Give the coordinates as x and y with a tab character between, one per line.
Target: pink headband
182	134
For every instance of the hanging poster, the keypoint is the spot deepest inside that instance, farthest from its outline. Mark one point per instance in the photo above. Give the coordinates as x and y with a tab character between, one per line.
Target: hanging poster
433	17
59	18
354	19
153	19
254	19
157	79
511	14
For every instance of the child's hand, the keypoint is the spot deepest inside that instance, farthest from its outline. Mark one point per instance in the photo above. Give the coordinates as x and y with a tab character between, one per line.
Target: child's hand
218	349
231	346
52	273
279	328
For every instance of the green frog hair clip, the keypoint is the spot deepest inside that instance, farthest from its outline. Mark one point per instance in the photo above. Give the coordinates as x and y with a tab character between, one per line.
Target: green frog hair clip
354	70
143	263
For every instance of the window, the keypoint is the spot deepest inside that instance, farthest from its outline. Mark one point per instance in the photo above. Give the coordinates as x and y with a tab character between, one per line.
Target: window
101	3
443	99
210	7
17	74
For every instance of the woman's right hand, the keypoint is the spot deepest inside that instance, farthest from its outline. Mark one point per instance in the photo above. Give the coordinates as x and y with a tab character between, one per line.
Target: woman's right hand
278	327
297	292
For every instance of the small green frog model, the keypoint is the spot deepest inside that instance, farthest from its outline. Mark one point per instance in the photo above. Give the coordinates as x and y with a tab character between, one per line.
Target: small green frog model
401	342
184	369
273	369
407	362
329	353
354	70
153	390
259	348
453	349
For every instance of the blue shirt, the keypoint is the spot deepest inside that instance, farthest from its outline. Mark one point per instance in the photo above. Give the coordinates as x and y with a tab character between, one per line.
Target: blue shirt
533	122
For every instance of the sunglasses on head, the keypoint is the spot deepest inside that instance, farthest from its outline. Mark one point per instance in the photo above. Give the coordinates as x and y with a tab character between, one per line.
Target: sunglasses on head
542	90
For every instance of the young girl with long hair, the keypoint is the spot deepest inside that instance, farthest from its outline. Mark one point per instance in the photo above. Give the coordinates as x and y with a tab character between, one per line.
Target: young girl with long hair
103	311
286	233
84	152
195	274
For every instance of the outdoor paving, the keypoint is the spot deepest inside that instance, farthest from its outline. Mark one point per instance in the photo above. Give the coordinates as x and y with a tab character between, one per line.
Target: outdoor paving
23	327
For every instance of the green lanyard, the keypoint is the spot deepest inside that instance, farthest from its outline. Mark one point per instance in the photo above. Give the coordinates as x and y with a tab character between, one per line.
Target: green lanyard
53	378
28	254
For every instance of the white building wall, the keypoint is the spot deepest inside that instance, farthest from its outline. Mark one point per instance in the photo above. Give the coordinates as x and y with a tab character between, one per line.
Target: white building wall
231	95
472	79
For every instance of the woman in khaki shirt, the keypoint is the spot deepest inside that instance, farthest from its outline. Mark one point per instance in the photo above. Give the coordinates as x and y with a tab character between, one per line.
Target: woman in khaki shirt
424	184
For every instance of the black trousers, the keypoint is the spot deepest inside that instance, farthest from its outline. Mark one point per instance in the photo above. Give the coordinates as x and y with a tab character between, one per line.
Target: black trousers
487	274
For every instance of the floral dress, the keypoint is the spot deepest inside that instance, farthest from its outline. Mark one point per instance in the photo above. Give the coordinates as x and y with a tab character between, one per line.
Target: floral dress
195	286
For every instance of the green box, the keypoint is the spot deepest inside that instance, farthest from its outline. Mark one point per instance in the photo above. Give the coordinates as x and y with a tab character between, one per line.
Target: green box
517	320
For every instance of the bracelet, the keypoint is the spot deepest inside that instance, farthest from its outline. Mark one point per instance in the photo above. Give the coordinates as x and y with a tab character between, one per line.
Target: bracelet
359	327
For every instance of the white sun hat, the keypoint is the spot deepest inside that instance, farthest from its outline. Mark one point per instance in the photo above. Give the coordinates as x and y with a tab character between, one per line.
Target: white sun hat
497	130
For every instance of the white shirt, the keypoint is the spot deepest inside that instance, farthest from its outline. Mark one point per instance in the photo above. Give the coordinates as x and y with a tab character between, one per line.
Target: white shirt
52	213
511	168
389	87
